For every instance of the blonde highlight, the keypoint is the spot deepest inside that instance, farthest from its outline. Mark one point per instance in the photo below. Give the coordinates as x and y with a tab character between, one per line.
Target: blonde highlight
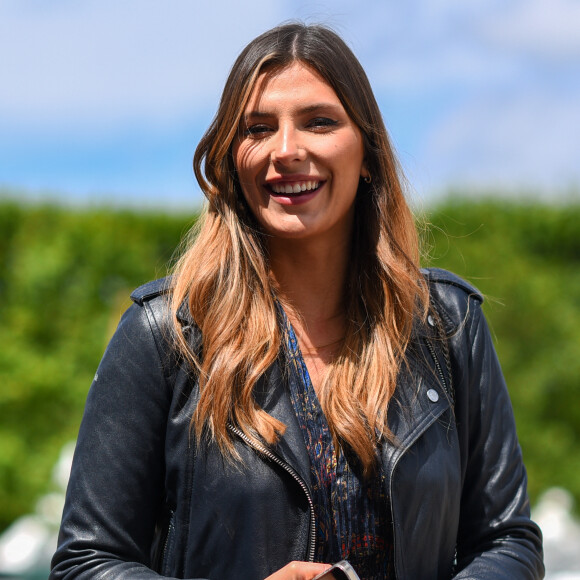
223	275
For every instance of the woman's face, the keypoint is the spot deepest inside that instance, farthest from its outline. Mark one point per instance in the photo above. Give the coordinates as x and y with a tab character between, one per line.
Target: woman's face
299	156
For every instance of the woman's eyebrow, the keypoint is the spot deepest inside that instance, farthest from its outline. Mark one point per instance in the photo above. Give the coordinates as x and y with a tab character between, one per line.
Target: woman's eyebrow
331	107
256	115
314	108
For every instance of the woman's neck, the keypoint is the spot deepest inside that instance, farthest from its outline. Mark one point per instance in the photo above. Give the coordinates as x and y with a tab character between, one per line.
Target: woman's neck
310	277
310	280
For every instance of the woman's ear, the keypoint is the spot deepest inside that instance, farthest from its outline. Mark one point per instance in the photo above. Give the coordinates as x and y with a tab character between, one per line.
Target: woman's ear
364	173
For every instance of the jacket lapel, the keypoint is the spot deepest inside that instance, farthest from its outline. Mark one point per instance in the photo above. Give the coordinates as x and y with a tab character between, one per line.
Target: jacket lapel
271	393
420	399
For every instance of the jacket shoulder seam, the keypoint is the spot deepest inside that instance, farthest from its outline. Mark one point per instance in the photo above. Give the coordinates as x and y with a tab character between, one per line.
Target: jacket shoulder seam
440	276
151	290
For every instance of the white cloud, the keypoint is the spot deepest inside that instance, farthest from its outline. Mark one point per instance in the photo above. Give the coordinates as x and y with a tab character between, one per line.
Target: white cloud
543	28
495	87
428	44
112	60
107	61
524	141
105	71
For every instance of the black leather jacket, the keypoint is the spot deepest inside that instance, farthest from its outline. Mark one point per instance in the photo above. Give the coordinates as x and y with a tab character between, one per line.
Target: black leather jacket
144	500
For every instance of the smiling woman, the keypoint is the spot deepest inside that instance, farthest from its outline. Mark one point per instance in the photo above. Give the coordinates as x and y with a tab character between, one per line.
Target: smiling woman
299	157
299	392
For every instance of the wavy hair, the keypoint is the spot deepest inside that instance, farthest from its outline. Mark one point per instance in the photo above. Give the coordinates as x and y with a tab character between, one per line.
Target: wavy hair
223	274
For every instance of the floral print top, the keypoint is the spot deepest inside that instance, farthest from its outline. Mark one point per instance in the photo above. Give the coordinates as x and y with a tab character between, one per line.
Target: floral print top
352	512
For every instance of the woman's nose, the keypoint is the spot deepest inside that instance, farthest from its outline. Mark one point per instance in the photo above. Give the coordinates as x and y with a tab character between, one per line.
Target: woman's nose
286	146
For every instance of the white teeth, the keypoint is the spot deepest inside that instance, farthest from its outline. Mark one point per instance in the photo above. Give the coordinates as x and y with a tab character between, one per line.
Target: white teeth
295	188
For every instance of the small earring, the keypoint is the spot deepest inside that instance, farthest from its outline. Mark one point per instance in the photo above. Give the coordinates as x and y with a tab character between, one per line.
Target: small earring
368	179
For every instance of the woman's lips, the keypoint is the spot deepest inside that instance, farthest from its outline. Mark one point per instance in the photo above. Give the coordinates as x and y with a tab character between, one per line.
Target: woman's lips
294	192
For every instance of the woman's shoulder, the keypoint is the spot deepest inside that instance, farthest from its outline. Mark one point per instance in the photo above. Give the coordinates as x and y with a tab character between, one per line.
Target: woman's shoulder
443	281
452	296
151	290
156	295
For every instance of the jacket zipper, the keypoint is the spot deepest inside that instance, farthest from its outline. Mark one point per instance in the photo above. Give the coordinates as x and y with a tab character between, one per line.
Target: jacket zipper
438	366
291	471
442	376
168	536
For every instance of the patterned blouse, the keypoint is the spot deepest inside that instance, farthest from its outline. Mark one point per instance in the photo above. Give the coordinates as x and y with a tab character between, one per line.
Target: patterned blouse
352	513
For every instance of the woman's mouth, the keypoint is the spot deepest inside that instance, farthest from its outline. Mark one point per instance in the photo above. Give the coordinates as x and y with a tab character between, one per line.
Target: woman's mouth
293	188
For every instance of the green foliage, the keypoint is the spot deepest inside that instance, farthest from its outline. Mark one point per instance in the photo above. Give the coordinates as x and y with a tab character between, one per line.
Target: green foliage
525	258
65	277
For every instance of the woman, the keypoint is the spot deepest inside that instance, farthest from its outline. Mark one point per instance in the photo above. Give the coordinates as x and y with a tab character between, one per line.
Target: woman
299	392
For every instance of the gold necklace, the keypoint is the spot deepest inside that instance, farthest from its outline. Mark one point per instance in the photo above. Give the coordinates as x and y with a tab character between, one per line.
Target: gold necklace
314	349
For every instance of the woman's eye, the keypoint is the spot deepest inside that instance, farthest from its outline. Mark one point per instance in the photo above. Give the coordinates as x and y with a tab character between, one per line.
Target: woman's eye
322	122
256	130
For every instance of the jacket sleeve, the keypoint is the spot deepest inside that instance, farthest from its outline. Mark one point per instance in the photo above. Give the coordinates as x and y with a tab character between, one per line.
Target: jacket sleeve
496	538
117	478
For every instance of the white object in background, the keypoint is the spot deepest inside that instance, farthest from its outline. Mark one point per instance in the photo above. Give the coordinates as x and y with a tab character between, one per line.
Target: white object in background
28	544
561	534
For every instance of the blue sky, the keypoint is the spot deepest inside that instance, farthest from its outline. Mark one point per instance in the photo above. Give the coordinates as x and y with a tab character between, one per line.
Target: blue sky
105	101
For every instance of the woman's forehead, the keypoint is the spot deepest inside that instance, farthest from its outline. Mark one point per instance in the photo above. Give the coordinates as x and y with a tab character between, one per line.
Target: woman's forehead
296	81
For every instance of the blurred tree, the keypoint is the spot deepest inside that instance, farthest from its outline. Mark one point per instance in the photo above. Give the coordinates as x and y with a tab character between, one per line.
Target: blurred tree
65	278
524	257
62	273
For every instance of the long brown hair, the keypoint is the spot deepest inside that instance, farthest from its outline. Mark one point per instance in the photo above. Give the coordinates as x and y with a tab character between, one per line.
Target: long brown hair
224	276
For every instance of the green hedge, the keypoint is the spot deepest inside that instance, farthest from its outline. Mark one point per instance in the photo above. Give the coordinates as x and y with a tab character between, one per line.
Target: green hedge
525	257
65	276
